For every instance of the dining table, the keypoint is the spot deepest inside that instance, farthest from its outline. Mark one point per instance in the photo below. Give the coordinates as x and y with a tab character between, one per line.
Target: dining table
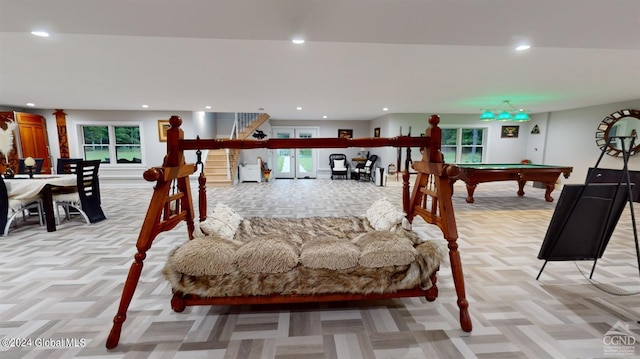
23	187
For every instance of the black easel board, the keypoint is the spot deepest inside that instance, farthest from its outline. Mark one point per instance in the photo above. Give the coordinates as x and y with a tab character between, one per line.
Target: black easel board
607	175
583	221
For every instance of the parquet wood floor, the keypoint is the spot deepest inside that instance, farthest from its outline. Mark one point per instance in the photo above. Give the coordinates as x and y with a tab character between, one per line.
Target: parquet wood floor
67	285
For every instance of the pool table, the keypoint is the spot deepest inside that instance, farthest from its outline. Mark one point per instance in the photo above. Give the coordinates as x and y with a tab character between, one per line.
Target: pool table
472	174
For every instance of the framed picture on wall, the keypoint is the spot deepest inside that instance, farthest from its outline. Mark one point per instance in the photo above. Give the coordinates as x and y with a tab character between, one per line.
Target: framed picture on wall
163	126
344	133
376	132
510	131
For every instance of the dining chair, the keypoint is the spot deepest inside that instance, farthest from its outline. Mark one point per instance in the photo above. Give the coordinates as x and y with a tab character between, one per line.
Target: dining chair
86	199
67	165
22	169
11	208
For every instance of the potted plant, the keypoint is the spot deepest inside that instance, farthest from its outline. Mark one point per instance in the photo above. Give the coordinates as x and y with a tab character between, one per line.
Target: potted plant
266	171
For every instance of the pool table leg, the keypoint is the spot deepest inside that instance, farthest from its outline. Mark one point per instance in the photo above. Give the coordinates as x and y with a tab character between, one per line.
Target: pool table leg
521	184
471	187
550	186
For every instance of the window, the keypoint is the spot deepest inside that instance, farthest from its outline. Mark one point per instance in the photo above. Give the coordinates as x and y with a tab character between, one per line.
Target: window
106	143
463	145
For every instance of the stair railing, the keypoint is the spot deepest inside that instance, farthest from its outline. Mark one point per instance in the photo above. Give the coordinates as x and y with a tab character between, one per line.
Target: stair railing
240	122
234	134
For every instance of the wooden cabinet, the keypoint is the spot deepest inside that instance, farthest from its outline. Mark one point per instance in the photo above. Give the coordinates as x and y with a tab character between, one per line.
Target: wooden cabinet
33	138
250	173
30	139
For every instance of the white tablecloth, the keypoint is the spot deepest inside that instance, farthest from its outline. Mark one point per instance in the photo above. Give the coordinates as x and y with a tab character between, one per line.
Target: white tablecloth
23	187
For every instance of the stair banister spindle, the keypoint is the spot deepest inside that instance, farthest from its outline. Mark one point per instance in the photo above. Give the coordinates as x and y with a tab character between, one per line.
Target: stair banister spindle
236	126
228	165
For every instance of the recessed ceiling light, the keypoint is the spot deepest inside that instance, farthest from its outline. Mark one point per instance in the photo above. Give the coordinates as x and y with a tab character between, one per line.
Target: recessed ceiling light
523	47
208	107
385	109
298	41
31	104
40	33
299	108
325	116
145	106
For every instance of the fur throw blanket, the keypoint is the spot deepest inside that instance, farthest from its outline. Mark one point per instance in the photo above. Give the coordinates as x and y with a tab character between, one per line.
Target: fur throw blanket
315	255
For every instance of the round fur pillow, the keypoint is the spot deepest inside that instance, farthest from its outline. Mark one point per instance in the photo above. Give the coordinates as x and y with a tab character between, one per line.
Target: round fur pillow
384	248
209	255
267	255
329	253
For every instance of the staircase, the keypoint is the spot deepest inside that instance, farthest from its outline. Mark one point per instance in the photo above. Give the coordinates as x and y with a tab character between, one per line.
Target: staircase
221	166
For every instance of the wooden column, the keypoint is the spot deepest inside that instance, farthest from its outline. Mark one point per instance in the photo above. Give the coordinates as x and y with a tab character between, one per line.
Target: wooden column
63	140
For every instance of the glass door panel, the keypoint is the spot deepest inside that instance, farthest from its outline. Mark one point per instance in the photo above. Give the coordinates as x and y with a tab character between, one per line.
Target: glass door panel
285	163
295	163
306	156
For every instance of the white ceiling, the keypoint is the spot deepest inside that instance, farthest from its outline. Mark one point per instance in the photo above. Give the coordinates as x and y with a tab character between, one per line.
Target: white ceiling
420	56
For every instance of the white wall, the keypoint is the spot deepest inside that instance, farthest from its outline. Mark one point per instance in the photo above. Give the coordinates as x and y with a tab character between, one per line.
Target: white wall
204	124
499	150
536	142
224	124
153	150
566	138
571	139
388	128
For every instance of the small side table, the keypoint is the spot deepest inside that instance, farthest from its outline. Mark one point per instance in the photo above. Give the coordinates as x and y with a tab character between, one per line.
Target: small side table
250	173
354	163
357	160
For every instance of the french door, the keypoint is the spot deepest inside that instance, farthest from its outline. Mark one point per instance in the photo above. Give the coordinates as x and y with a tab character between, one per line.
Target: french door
294	163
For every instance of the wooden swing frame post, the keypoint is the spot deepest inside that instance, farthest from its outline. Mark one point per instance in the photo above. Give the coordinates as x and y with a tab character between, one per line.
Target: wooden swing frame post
171	204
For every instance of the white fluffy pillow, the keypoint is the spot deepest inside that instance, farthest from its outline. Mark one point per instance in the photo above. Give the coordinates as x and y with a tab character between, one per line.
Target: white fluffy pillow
223	221
338	165
383	215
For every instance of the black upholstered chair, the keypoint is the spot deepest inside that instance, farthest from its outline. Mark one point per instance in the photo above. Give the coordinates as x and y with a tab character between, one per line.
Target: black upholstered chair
364	170
87	197
339	165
